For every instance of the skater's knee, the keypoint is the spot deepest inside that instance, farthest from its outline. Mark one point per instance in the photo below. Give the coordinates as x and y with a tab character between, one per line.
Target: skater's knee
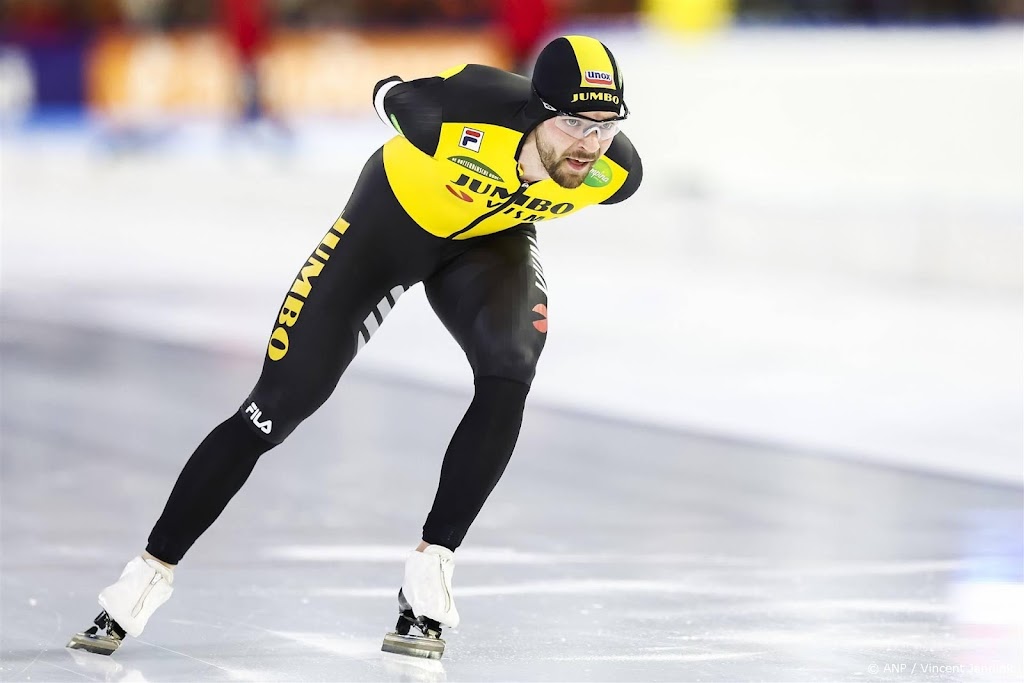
516	361
278	404
501	396
259	417
272	419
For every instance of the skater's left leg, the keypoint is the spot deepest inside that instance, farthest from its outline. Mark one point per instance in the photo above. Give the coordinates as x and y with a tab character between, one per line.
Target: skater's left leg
493	300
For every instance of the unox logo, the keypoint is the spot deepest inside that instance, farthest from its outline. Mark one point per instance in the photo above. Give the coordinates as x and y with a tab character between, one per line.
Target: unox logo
471	139
601	78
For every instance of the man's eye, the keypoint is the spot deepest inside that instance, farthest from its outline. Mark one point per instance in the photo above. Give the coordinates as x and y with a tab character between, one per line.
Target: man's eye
608	126
572	122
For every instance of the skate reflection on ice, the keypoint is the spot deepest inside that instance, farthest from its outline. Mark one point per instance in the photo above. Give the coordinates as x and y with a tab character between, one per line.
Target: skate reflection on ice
413	669
108	667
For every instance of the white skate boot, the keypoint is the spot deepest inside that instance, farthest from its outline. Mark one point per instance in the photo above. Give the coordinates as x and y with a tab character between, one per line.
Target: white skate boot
127	606
425	602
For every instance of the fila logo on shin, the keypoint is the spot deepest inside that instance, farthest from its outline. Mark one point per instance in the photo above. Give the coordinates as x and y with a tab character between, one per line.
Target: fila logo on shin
254	414
471	139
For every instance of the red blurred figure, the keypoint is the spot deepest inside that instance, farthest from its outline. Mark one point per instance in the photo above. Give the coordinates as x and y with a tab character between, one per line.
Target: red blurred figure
525	23
245	24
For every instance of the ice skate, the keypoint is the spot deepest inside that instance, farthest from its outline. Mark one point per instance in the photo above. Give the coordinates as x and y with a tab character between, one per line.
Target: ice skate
127	606
102	638
425	604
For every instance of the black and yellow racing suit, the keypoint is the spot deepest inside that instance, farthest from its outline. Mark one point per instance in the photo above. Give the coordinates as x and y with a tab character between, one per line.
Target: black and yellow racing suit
442	204
454	169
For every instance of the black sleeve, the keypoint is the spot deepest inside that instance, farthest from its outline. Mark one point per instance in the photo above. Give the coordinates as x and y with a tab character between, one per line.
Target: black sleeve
412	108
627	157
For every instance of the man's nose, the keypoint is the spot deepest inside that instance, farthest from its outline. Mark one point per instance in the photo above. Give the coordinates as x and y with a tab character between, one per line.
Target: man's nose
592	142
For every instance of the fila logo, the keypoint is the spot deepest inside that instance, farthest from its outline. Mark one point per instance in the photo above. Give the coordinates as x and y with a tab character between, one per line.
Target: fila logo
254	414
471	139
599	78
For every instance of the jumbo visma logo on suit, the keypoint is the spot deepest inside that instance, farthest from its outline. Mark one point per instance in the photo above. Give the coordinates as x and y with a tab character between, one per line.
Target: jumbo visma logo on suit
498	195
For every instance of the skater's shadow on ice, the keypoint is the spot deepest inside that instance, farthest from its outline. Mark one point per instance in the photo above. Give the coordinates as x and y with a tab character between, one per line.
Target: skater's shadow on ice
415	669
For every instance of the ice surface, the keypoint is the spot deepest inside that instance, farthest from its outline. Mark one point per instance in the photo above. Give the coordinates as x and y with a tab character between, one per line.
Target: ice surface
609	551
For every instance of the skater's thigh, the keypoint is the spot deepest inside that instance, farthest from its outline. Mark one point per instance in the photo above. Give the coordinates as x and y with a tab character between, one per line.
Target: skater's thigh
493	300
313	333
338	298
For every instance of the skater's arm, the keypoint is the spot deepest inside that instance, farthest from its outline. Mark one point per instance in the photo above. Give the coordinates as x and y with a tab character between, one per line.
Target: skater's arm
466	94
414	109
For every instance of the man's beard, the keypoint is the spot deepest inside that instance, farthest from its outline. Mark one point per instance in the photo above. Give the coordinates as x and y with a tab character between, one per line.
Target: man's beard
558	167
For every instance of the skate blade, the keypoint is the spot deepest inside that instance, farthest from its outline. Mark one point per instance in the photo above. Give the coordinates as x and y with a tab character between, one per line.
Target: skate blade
101	645
413	646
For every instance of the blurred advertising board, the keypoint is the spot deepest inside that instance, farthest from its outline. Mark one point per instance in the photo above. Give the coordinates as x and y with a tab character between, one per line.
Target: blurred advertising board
319	73
334	72
163	73
689	16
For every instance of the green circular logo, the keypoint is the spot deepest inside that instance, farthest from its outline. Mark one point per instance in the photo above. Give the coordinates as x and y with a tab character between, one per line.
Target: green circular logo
600	174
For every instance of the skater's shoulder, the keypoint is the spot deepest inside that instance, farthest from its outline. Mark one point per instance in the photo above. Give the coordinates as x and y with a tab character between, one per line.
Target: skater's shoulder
479	93
482	76
624	154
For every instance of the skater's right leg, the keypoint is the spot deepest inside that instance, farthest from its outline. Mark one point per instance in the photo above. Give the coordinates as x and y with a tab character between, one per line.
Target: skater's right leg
371	255
299	374
309	349
210	478
351	281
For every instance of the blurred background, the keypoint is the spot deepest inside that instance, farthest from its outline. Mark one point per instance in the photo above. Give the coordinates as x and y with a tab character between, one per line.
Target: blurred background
826	253
805	331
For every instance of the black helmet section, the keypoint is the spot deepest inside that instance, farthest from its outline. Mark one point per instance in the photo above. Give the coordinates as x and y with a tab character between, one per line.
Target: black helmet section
578	73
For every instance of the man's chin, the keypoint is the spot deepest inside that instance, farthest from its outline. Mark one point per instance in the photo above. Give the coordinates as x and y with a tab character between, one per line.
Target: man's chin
569	178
